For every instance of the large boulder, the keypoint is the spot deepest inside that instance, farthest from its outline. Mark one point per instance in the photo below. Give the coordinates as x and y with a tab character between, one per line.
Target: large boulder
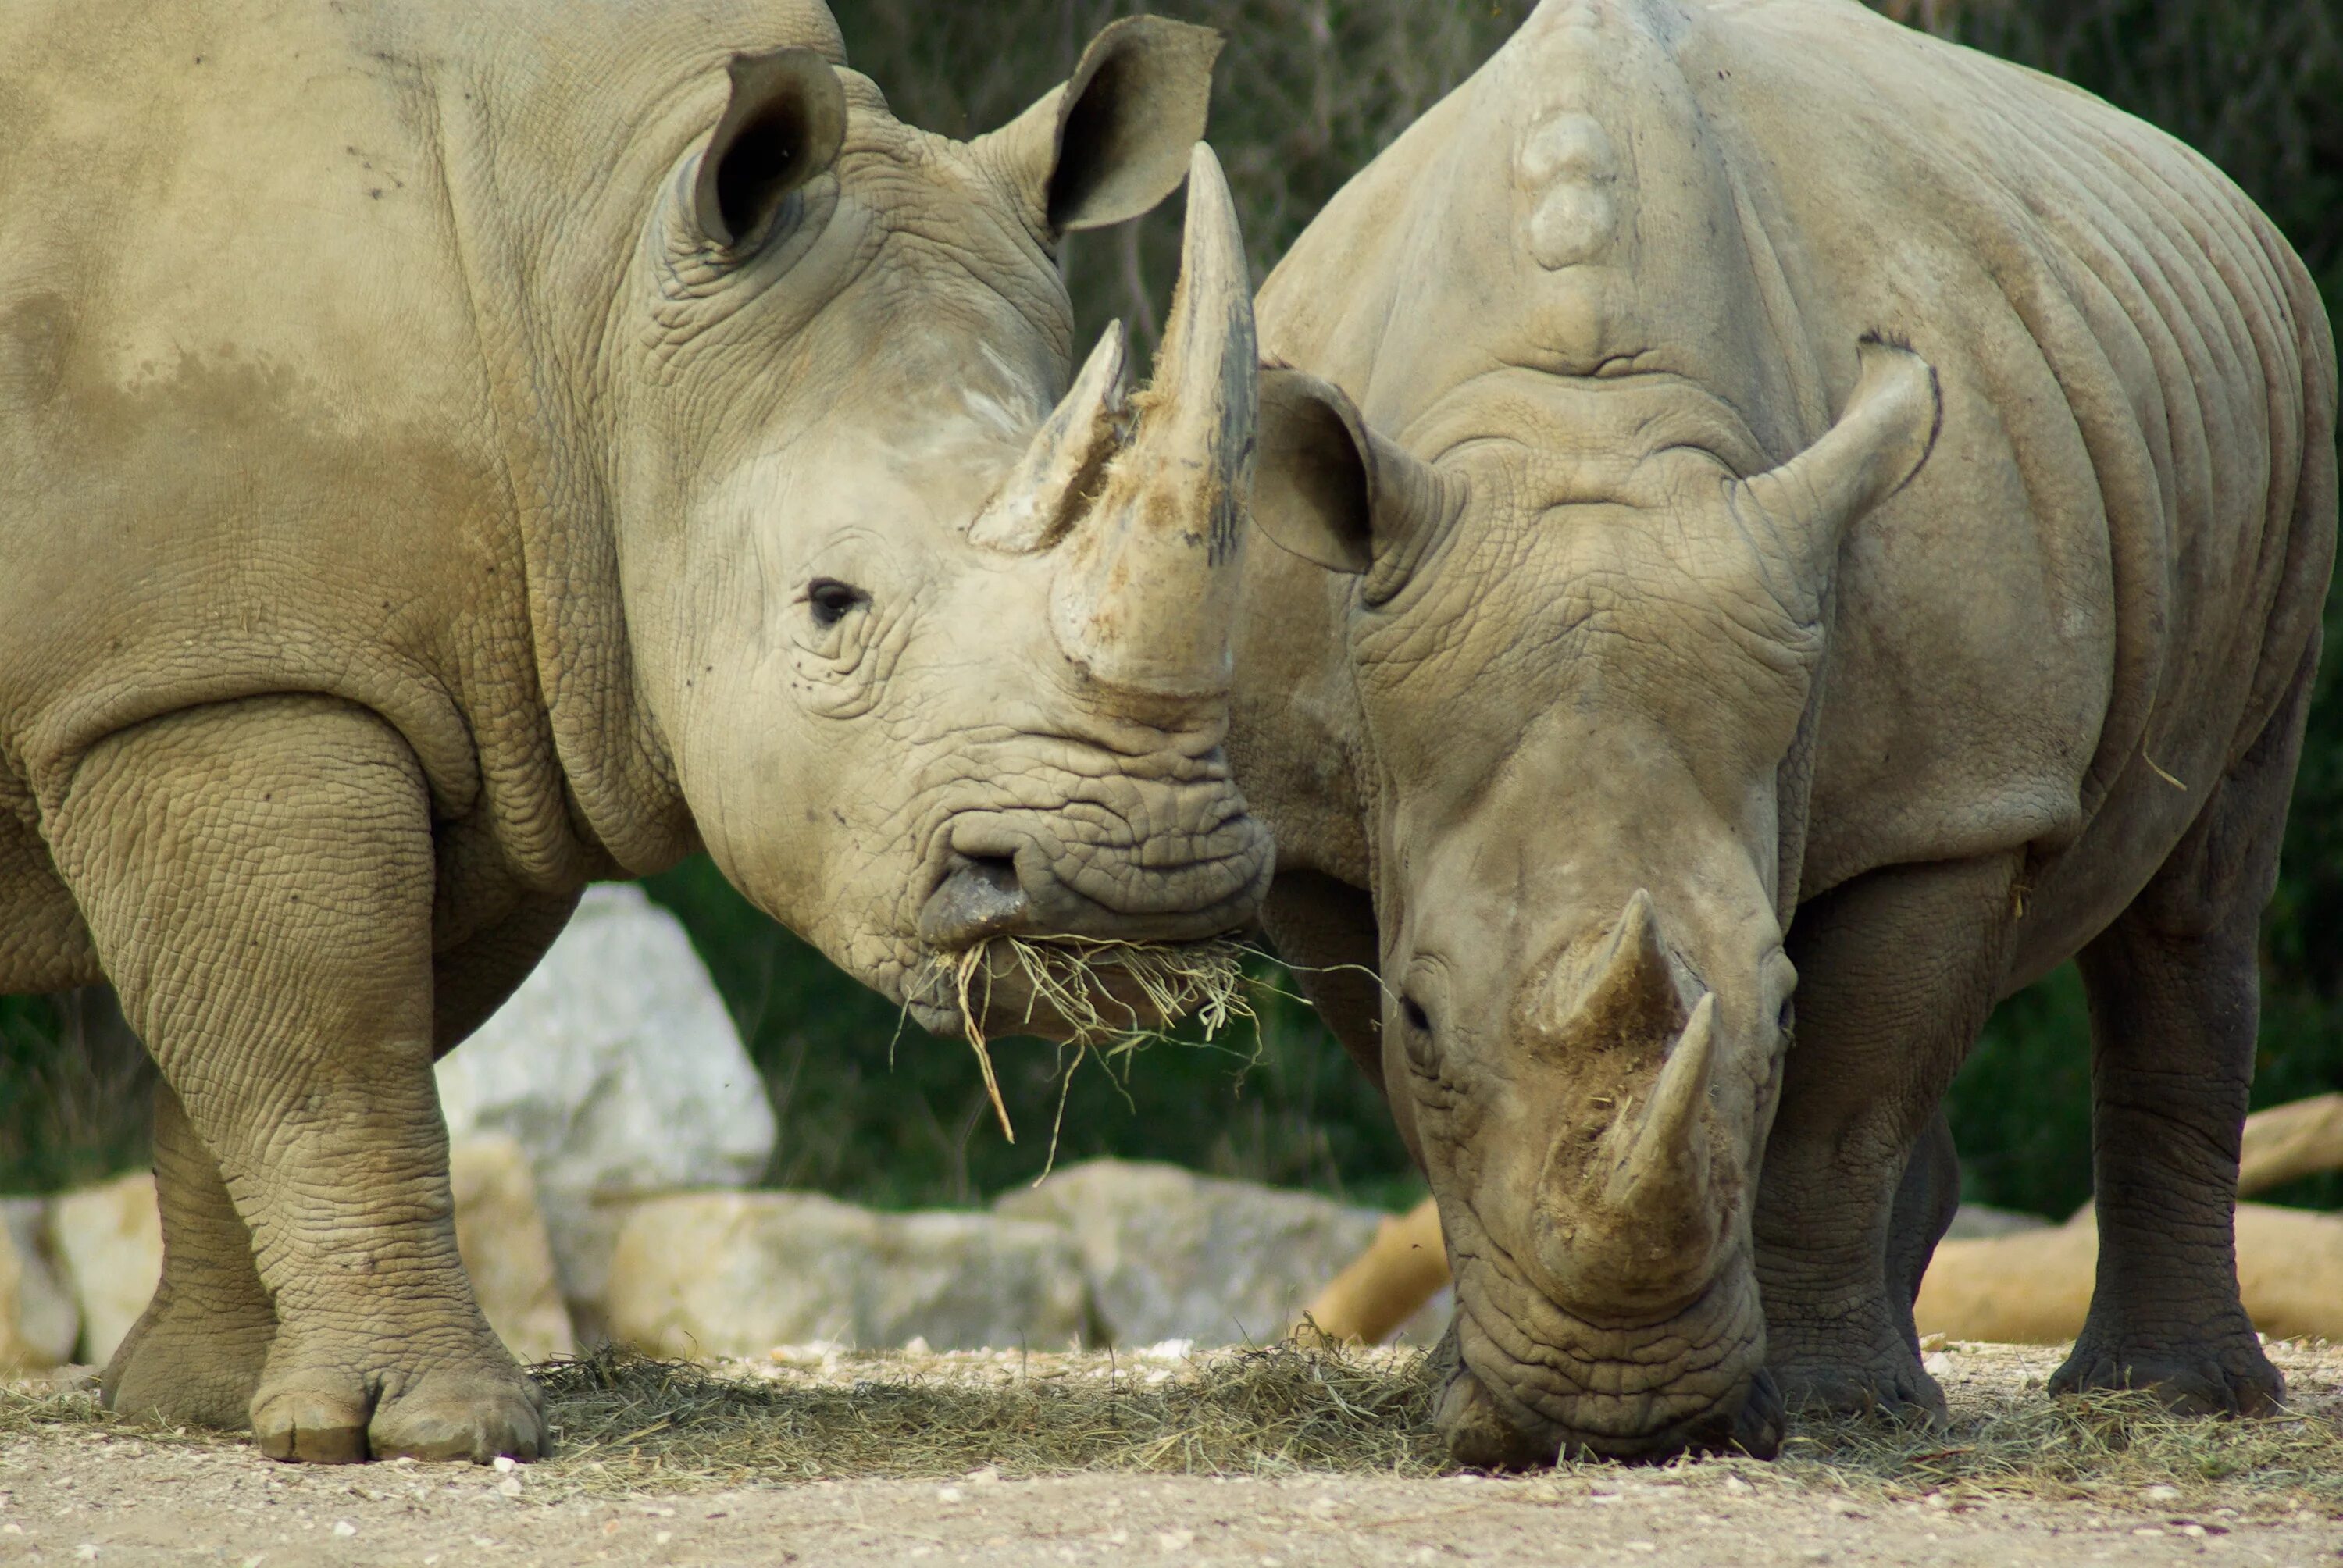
1173	1255
501	1233
38	1321
736	1273
615	1066
109	1239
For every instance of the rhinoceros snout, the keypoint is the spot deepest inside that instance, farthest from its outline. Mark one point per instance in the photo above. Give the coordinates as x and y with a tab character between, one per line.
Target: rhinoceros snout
1116	897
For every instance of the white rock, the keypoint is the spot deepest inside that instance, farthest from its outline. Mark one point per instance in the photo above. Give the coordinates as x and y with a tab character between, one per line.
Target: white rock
616	1067
38	1321
1173	1255
109	1240
735	1273
502	1237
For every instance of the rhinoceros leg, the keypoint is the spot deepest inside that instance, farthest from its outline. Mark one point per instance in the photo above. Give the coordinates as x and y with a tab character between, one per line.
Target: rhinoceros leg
257	876
1925	1200
1896	975
2174	991
196	1354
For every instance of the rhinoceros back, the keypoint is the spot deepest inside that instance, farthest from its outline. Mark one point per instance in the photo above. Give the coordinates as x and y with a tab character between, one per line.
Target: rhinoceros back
283	290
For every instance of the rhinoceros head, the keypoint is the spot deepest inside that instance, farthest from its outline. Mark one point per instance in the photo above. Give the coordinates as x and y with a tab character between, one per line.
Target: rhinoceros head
1583	662
937	641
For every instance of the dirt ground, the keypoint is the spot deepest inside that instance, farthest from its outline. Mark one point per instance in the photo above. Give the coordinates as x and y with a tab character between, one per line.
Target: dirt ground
76	1486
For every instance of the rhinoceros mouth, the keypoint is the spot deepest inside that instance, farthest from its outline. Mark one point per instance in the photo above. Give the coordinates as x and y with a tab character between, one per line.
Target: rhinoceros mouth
1528	1386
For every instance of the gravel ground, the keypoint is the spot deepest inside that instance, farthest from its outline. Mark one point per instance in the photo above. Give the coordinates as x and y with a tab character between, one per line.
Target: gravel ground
81	1490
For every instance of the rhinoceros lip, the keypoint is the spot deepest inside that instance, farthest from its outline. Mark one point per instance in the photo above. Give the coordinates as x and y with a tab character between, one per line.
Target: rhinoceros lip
1500	1429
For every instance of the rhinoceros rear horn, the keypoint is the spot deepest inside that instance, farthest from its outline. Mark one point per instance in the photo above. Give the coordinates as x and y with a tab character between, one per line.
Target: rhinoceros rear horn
1146	596
783	125
1880	441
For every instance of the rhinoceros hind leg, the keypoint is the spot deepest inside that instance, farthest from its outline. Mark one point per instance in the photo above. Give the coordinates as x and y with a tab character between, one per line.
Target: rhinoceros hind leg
259	878
196	1354
1925	1201
2174	991
1896	975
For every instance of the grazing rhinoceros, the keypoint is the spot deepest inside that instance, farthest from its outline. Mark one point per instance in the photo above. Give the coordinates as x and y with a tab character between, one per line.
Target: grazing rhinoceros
1812	506
452	451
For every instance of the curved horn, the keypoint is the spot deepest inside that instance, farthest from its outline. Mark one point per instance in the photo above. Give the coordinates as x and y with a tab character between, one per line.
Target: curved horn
1146	598
1886	432
1043	494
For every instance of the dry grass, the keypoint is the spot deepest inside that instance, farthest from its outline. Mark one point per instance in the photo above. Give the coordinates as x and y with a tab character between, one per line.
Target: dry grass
625	1424
2118	1449
1108	997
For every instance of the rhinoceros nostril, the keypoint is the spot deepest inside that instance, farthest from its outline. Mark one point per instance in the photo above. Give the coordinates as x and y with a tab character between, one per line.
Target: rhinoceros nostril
980	897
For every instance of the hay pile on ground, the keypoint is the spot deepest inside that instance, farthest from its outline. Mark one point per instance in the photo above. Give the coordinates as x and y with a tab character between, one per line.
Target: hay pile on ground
1279	1410
625	1424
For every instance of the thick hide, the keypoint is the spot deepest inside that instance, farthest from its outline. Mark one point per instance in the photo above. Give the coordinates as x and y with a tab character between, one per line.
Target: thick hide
1785	530
454	451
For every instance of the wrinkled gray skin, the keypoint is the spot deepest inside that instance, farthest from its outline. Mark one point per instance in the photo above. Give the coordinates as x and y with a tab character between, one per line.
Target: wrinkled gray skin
450	452
1663	645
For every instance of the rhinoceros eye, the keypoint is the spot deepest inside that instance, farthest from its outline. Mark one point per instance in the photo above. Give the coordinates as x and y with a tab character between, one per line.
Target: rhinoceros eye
1417	1019
832	600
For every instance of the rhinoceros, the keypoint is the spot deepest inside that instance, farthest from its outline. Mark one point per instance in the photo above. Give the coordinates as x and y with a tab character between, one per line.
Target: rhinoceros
1776	503
450	452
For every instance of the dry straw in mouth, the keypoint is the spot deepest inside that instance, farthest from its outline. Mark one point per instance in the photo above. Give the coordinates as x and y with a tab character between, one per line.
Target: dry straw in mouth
1069	979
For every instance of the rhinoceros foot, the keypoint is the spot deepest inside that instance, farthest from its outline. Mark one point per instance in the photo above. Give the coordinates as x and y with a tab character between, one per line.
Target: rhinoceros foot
190	1362
327	1405
1890	1383
2226	1374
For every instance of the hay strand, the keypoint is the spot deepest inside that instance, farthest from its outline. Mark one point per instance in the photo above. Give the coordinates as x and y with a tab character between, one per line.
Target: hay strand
1085	987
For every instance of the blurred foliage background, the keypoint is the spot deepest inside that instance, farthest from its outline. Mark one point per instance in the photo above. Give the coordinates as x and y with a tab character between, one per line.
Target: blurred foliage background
1309	90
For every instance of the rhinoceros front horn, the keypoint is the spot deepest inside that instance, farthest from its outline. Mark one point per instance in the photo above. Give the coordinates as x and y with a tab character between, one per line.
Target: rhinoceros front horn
1646	1220
1146	595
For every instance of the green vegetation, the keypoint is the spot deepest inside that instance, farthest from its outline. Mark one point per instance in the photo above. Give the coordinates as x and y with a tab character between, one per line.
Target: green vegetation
1309	90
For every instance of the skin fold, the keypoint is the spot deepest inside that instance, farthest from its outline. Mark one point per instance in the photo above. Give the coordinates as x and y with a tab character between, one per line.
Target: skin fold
1790	530
451	453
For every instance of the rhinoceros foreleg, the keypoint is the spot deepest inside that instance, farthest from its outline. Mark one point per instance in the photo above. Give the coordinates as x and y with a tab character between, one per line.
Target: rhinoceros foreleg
196	1353
258	878
1896	975
2174	991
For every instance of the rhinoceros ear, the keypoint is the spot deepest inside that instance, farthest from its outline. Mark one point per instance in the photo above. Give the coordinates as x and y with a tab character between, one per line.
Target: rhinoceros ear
1330	491
784	125
1115	139
1885	434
